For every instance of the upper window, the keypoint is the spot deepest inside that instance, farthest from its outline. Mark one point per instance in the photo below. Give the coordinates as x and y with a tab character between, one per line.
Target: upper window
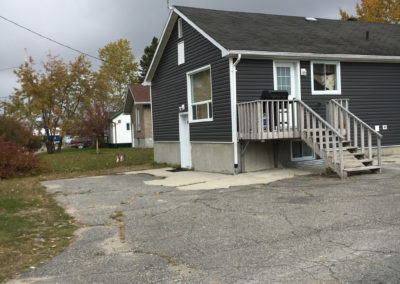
138	122
180	30
200	94
181	53
325	78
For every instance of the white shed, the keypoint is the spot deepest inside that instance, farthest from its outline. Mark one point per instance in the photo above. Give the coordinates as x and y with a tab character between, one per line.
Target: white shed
120	130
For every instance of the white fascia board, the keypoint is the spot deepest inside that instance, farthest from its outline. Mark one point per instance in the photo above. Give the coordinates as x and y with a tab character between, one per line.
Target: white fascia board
142	103
160	48
308	56
224	51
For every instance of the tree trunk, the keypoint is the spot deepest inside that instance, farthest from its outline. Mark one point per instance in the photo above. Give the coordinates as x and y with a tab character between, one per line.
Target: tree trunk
60	144
97	145
50	146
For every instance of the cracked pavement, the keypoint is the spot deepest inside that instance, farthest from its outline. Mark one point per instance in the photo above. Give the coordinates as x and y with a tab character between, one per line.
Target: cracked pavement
308	229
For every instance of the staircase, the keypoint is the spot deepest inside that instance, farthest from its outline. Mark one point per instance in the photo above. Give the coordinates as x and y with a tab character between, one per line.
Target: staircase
344	141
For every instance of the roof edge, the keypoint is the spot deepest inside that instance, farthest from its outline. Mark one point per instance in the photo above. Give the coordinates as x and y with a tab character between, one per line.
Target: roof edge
173	15
297	55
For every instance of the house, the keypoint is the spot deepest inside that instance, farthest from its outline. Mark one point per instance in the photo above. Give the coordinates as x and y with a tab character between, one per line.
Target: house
120	133
138	106
238	92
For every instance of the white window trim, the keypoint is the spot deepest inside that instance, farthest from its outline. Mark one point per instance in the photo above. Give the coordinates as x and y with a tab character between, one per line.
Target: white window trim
180	28
189	95
181	55
338	78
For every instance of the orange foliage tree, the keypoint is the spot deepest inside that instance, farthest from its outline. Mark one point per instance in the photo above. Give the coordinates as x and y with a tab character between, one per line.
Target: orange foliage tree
380	11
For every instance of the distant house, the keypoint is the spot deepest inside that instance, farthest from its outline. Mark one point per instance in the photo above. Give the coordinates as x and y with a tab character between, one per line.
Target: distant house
237	92
138	106
120	130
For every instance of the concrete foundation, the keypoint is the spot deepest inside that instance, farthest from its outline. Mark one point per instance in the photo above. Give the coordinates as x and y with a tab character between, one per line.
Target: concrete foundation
213	157
167	152
143	142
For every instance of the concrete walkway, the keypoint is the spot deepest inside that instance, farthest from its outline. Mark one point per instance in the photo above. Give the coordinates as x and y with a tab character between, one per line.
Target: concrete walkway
306	229
194	180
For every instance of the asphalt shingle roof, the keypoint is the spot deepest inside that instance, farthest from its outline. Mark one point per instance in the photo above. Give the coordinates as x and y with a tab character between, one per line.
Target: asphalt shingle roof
275	33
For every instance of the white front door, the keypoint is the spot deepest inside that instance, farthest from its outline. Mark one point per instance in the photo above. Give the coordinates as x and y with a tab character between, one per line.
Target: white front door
287	78
184	139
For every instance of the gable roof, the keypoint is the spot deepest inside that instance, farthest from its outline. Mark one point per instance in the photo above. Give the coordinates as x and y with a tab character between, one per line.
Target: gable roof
264	32
255	34
136	94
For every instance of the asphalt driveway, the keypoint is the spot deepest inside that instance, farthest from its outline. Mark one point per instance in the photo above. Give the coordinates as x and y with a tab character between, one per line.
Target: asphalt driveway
308	229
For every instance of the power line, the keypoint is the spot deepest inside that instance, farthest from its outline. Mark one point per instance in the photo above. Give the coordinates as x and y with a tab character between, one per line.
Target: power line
52	40
9	68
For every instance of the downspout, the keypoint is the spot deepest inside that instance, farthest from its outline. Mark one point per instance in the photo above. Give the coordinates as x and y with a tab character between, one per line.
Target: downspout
233	70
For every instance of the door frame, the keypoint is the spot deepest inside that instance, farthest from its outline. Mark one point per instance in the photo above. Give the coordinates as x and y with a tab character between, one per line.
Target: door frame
184	126
295	64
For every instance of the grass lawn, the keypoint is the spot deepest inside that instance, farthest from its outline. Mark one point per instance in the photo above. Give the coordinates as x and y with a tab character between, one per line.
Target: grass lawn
33	227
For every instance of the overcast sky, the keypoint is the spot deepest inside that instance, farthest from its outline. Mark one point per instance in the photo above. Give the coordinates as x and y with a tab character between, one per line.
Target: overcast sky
88	25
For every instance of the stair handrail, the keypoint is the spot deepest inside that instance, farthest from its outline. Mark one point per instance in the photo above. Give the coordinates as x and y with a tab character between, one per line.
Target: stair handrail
309	135
356	118
371	130
320	118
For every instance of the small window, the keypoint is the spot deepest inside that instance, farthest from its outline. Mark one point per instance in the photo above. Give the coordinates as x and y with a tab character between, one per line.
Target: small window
119	121
181	53
128	126
138	122
325	78
180	29
200	94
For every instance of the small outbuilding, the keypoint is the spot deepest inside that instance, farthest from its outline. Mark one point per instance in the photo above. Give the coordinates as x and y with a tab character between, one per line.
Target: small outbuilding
120	134
138	107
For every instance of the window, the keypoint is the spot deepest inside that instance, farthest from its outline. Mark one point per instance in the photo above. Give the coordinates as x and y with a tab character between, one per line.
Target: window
325	78
138	122
180	30
128	126
181	53
200	94
283	79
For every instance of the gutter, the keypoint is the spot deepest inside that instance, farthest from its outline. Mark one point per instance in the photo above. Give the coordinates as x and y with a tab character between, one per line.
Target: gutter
233	70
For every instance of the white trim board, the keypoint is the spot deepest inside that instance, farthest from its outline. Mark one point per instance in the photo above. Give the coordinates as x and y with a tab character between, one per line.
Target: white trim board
315	56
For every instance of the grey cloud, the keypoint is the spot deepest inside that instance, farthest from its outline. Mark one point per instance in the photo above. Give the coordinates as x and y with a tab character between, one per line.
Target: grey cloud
90	24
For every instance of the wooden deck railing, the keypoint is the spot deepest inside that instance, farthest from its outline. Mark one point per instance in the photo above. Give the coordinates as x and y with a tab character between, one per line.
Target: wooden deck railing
267	119
354	129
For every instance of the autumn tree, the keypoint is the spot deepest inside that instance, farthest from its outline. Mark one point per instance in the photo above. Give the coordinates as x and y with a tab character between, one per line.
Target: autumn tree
380	11
119	69
52	99
93	122
147	58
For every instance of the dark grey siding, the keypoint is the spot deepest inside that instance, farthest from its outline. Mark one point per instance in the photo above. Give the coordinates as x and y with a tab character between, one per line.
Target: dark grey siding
373	90
374	93
169	89
253	76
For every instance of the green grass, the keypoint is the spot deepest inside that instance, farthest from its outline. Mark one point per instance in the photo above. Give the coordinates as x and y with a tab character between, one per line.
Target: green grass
33	227
78	160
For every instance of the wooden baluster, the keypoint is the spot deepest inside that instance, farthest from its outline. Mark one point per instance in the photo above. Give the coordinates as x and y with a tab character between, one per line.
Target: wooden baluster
320	135
314	131
362	138
326	139
378	148
267	116
341	161
308	124
355	130
260	120
273	118
369	145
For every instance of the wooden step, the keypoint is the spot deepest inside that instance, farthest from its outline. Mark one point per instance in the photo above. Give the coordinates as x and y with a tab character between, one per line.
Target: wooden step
345	148
363	169
365	161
